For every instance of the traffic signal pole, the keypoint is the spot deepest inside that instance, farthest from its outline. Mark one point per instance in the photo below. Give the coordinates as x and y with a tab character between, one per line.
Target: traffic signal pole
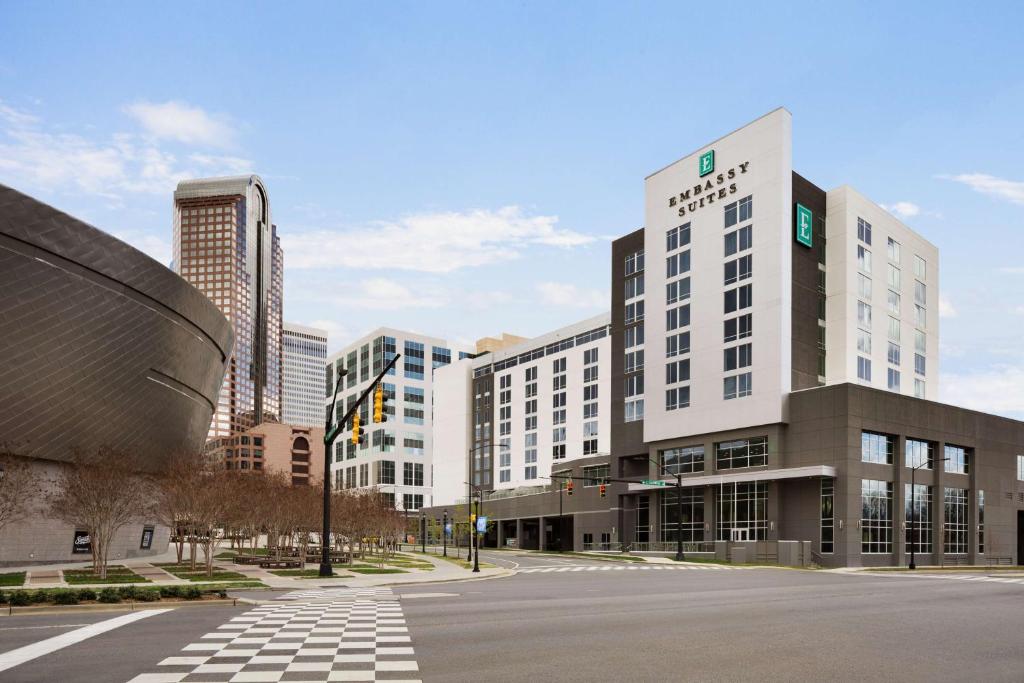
331	432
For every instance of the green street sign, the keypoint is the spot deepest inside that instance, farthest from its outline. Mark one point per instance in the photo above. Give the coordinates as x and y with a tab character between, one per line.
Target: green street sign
653	482
707	163
804	225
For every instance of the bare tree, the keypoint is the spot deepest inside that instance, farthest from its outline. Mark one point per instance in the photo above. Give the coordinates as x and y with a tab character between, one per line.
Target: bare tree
101	492
18	489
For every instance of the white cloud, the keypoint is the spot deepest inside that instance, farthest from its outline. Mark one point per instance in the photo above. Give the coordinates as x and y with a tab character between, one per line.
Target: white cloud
151	245
993	390
182	122
903	209
35	157
430	242
1019	310
375	294
1010	190
946	309
566	294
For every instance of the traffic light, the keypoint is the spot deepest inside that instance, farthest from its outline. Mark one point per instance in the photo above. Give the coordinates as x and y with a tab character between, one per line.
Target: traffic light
378	404
357	432
603	489
568	488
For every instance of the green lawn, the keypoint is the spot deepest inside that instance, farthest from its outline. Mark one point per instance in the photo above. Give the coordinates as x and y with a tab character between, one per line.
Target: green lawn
12	579
184	571
115	574
461	562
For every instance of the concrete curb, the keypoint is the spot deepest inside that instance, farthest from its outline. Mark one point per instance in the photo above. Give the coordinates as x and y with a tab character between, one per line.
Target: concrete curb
29	610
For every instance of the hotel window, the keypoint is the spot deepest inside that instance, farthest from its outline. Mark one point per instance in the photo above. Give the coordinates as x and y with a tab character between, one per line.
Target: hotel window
634	360
635	286
558	452
677	397
677	317
920	292
635	311
893	299
743	506
738	269
739	240
958	460
1020	468
893	250
558	400
595	475
739	211
863	259
864	368
676	344
893	379
920	267
589	410
746	208
558	382
677	264
864	314
894	353
530	472
558	417
739	298
894	329
687	460
955	529
828	515
876	516
737	386
634	386
635	262
920	316
677	371
677	237
633	410
590	447
386	472
981	522
919	454
864	341
738	328
864	231
736	357
634	336
741	453
590	374
589	356
919	388
558	435
917	511
877	448
863	286
590	391
693	516
894	277
412	501
412	474
678	290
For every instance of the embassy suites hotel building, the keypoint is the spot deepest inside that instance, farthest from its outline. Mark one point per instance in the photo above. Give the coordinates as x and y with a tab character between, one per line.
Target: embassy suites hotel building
774	343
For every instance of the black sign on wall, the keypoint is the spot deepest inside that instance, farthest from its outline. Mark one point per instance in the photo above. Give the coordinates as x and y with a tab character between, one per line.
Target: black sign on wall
147	538
82	543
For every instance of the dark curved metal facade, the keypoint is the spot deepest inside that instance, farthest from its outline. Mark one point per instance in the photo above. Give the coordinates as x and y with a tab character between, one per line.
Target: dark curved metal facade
100	345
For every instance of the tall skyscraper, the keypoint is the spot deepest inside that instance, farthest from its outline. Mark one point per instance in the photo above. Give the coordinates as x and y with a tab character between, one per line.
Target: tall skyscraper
226	245
305	353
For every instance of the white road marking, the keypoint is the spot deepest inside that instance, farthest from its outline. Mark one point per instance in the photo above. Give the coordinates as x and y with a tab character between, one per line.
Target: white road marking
9	660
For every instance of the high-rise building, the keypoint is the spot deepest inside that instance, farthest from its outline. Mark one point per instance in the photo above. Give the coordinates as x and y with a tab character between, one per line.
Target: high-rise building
775	346
226	245
304	351
396	455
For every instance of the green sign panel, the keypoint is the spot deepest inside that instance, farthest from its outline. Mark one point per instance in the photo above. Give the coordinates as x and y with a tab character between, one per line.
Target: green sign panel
707	163
653	482
804	223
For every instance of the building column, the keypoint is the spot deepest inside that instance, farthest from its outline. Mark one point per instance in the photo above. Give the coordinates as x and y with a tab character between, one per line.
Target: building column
972	509
500	525
938	503
710	514
900	518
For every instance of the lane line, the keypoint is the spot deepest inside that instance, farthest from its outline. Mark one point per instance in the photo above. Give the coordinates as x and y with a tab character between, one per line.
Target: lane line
9	660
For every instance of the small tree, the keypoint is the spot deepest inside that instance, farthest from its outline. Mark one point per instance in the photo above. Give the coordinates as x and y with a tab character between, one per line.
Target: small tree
18	489
102	492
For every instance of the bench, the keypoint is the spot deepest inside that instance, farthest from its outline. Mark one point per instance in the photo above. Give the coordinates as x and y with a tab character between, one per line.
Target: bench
281	564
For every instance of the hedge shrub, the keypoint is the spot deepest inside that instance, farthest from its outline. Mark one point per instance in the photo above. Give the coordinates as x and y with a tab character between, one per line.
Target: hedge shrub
108	595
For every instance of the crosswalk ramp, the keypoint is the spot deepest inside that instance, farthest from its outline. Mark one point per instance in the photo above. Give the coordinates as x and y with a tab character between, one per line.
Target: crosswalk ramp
974	578
624	568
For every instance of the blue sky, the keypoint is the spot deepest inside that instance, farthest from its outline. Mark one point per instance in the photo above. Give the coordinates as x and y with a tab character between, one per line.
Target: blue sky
459	168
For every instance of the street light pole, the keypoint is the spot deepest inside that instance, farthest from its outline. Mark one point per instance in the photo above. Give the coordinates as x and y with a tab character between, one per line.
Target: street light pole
476	536
423	537
680	557
444	533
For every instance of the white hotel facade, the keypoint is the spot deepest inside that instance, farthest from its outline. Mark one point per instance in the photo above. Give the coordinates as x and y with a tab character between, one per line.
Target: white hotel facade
396	456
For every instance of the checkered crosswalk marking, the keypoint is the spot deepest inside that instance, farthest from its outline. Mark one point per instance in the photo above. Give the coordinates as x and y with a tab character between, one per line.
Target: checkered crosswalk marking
332	636
338	593
627	568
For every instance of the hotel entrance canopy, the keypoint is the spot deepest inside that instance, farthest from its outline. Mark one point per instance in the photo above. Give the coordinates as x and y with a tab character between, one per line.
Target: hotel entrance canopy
742	477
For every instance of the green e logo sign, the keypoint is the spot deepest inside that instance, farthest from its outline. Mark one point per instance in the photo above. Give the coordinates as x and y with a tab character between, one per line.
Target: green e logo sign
804	229
707	163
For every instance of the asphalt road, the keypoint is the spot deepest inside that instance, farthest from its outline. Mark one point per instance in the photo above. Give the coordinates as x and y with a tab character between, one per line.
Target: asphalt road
584	621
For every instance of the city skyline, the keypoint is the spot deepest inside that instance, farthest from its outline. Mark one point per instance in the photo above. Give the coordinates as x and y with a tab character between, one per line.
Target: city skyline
522	247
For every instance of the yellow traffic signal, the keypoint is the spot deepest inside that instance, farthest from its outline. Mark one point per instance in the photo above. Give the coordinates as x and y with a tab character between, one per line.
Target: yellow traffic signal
378	404
355	429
